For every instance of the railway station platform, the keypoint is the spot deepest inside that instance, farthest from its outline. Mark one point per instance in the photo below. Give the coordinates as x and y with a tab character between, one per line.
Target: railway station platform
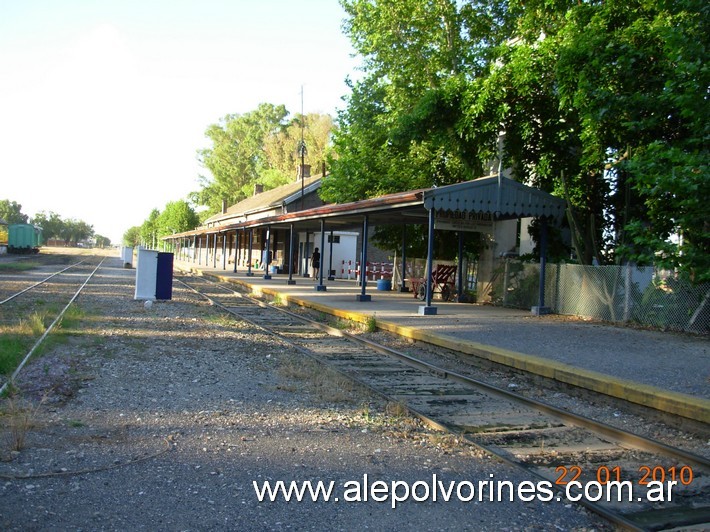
662	370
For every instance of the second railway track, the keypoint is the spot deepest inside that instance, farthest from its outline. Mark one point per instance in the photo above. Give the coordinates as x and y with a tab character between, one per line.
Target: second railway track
567	451
42	300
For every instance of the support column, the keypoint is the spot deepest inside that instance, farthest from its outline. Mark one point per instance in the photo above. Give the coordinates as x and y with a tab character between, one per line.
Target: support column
363	263
428	309
214	251
251	240
305	256
236	249
541	309
320	287
330	258
403	282
224	251
290	256
266	254
459	270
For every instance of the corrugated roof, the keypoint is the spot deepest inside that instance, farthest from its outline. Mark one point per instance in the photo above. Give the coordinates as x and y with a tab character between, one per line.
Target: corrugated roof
504	198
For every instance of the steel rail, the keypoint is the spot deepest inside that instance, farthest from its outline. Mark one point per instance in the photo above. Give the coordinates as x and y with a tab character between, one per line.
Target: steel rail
48	330
39	283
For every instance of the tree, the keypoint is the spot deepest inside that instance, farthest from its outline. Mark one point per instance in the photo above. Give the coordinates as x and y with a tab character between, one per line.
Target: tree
150	229
75	231
52	224
11	212
132	237
236	157
102	241
401	128
282	147
177	217
259	147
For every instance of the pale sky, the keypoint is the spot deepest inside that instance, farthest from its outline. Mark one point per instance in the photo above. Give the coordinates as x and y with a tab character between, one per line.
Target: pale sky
104	103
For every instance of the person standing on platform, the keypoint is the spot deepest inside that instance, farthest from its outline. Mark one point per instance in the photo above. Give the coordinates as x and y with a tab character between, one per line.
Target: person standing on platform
315	263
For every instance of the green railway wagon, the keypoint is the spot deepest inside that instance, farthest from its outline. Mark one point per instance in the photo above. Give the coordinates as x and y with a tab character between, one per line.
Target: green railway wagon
24	238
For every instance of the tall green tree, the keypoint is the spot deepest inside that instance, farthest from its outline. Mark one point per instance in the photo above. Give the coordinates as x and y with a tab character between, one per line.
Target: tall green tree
259	147
132	236
282	148
150	229
102	241
236	156
401	127
178	216
11	212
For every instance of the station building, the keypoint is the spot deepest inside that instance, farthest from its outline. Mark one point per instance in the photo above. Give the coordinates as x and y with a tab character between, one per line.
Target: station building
276	231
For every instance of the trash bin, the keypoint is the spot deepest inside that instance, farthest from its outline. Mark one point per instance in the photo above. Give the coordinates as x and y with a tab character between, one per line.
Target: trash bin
384	284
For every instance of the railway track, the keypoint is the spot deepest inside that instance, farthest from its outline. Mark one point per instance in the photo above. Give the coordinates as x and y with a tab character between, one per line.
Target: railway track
575	457
45	302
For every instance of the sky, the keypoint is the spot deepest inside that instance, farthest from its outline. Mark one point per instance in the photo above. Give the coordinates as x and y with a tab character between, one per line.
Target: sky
104	103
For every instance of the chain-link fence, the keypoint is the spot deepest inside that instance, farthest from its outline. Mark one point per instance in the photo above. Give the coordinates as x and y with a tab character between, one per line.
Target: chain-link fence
612	293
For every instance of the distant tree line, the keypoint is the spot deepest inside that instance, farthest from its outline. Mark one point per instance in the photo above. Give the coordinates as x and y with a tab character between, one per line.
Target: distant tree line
68	230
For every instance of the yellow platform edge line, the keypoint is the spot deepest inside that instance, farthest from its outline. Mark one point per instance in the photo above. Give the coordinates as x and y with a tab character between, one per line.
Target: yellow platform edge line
668	401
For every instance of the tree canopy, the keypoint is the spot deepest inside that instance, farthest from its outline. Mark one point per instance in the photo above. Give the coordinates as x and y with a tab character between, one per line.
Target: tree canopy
258	147
602	103
11	212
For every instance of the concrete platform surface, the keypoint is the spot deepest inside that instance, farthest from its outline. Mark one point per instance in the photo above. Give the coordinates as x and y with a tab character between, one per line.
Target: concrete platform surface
664	370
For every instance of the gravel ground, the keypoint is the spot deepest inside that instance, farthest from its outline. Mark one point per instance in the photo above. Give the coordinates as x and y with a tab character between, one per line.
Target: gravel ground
162	418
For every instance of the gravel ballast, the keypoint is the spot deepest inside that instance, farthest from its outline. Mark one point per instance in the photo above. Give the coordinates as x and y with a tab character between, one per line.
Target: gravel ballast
162	419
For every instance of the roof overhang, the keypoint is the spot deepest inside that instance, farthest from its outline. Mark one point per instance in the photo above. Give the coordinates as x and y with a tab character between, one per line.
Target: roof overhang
502	198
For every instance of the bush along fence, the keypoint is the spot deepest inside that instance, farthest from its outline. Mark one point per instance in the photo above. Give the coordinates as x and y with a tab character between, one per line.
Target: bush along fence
627	293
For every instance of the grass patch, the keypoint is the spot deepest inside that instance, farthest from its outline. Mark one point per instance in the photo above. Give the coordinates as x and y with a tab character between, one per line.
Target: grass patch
18	418
72	317
19	266
17	340
12	348
371	324
220	320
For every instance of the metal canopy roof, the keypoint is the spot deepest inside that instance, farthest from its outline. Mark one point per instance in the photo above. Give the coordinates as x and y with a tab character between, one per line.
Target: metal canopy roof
501	197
